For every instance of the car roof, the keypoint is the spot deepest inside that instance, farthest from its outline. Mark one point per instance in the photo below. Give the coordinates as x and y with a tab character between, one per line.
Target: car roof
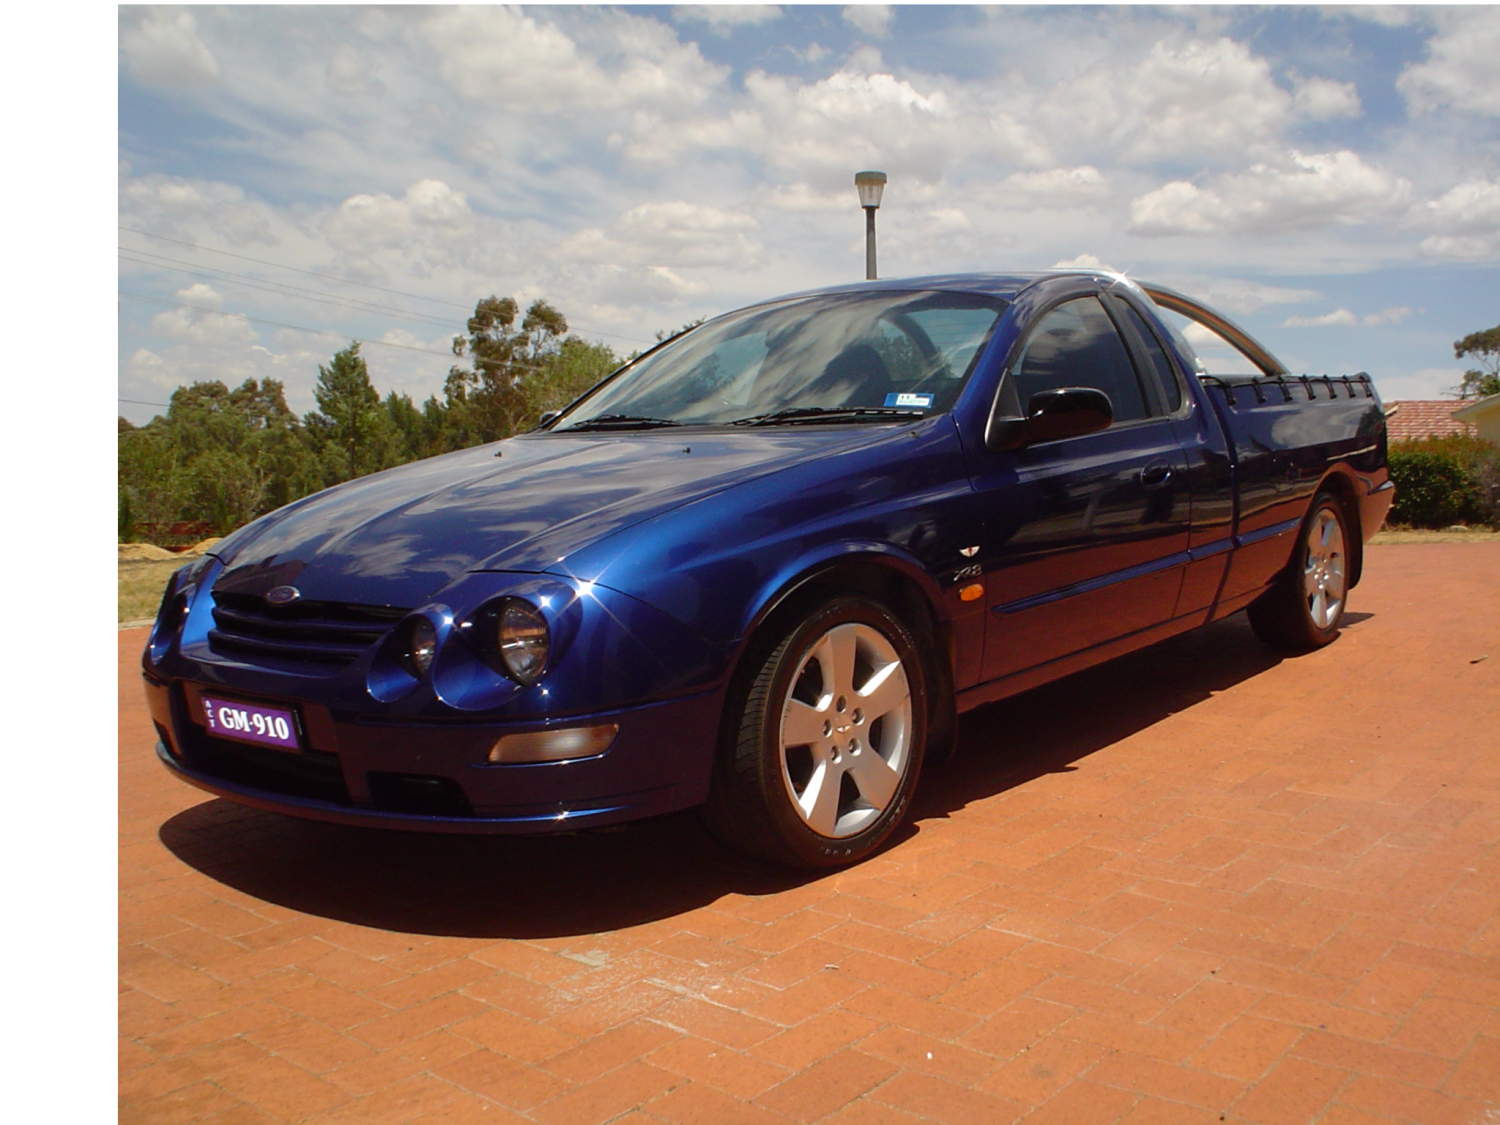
1003	285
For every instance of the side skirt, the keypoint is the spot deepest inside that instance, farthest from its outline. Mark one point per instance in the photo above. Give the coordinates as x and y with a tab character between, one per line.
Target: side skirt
1029	678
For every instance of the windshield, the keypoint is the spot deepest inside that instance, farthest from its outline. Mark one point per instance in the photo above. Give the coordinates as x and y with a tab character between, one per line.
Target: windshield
850	357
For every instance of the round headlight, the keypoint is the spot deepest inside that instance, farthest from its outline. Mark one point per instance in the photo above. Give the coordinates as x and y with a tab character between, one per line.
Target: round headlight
523	641
421	646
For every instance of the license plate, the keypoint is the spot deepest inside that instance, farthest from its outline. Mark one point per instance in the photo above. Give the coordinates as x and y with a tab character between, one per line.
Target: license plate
251	722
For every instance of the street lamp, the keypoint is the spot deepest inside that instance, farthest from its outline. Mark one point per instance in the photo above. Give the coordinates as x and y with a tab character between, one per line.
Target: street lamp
870	185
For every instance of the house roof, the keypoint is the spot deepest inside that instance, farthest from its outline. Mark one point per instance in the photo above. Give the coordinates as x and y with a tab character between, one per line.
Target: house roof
1416	419
1471	412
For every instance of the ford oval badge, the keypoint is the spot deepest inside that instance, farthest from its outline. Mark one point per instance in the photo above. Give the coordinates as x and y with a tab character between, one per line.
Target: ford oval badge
282	595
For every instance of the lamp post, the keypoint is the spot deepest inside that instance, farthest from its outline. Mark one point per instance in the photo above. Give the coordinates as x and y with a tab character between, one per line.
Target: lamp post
870	185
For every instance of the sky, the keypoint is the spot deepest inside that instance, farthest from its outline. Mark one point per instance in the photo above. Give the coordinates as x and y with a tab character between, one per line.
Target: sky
291	178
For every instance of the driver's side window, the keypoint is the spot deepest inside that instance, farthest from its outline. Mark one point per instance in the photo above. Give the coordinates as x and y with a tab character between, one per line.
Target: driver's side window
1076	345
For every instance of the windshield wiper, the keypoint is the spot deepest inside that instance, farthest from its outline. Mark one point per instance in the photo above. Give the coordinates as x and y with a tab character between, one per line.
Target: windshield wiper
797	415
618	422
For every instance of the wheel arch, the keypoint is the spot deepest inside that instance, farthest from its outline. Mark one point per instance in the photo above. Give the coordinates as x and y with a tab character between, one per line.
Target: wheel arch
1339	481
894	580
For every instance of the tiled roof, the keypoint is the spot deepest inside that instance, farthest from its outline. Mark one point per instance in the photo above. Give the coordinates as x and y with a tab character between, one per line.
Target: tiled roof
1416	419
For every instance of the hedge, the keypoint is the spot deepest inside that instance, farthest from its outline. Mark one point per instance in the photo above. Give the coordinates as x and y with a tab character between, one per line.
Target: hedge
1443	481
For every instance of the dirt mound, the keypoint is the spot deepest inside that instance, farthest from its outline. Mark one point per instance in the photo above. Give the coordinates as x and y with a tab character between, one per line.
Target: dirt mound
203	546
141	552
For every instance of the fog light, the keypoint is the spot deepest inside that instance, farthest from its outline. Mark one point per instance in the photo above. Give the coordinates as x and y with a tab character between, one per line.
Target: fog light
554	745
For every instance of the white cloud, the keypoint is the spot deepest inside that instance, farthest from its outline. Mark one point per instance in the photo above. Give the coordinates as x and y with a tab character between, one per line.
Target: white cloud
204	296
1386	15
675	235
724	18
1340	318
353	72
498	55
1302	193
1195	97
1244	298
206	329
164	50
851	120
948	220
801	197
1054	188
428	210
1425	383
1323	99
872	19
1344	318
176	206
1460	69
1464	221
428	231
1083	262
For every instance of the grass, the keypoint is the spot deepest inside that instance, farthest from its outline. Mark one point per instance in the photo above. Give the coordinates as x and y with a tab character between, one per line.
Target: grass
1400	534
141	584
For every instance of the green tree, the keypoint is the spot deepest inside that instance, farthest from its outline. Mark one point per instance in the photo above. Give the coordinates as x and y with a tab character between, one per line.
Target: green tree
154	483
496	397
574	368
350	415
1485	348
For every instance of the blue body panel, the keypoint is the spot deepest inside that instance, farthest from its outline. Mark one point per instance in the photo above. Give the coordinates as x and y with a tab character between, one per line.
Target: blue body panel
654	555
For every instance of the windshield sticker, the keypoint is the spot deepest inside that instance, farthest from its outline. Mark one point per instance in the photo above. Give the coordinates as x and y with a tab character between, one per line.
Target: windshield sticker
905	399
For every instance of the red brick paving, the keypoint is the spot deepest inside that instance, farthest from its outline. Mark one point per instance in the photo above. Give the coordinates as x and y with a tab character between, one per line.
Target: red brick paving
1197	885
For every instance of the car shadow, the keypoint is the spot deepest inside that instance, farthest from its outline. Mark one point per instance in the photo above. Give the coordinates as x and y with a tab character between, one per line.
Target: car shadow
552	886
1049	728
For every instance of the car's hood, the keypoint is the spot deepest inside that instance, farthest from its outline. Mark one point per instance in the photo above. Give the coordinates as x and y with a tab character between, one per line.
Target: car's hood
397	537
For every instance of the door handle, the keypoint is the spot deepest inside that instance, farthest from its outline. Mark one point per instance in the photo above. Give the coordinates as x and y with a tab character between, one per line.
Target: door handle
1156	474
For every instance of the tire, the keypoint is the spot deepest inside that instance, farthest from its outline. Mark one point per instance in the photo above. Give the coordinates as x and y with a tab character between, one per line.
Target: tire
824	740
1305	607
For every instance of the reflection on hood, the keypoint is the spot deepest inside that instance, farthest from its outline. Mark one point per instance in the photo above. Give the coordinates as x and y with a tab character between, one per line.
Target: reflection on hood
397	537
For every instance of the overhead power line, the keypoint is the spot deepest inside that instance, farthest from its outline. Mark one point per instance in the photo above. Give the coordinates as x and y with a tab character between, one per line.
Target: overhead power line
306	328
280	288
296	269
139	402
278	323
351	281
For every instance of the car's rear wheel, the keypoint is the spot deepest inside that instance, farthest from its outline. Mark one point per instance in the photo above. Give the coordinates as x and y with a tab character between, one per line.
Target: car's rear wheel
1305	607
822	753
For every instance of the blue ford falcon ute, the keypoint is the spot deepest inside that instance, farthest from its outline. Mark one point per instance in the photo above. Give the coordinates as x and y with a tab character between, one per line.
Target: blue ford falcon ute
763	567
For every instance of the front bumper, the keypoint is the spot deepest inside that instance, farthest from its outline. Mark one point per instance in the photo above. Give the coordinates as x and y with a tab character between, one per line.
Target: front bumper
436	776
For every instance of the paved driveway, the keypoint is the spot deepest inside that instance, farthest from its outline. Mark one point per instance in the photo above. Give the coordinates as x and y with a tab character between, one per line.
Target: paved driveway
1197	885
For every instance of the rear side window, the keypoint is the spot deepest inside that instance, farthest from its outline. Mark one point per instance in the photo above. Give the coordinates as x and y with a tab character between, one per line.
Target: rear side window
1166	374
1076	345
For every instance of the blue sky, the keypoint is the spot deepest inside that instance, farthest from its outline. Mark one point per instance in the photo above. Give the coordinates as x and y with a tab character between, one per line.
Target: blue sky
1329	176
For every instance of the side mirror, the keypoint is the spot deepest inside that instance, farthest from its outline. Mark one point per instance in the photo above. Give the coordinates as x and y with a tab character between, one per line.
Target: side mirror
547	417
1064	412
1068	412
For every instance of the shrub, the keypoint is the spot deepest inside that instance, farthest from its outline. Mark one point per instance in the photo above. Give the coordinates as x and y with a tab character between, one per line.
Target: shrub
1434	487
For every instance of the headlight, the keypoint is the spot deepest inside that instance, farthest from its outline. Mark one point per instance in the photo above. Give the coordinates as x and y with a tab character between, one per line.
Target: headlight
523	640
421	646
175	598
169	613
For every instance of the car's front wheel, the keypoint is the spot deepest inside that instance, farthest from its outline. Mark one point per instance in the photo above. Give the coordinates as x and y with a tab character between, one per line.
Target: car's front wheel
822	753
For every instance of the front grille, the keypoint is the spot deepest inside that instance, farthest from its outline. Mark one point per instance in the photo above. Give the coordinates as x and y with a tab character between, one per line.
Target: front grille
330	633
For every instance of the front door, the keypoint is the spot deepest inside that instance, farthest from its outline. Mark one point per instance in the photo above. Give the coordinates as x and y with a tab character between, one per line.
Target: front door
1085	538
